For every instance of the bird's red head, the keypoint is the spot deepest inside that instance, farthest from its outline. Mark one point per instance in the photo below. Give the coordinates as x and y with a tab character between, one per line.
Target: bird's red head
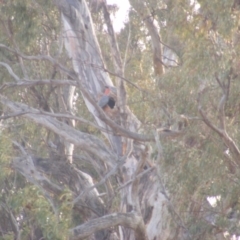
107	91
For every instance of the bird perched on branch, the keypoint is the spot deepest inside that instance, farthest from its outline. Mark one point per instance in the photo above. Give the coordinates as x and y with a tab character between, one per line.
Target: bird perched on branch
107	100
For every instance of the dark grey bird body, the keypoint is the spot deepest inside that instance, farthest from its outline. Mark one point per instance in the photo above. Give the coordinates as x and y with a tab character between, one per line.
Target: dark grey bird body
106	100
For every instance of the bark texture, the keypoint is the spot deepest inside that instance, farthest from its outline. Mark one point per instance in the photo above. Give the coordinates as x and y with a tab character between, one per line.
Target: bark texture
85	53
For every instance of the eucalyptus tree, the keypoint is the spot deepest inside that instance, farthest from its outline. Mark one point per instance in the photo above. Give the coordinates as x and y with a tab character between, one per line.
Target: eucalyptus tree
144	166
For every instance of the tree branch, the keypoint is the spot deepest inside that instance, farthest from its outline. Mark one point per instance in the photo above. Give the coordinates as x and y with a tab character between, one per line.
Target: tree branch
13	221
86	141
220	131
123	131
30	83
146	16
39	58
10	71
121	93
131	220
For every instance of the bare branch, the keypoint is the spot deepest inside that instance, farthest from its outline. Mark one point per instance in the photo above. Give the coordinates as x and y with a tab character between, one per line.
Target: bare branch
136	177
86	141
131	220
127	47
17	79
40	58
221	114
13	115
30	83
209	123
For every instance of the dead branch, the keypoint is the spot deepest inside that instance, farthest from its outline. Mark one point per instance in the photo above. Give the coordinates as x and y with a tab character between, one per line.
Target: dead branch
136	177
130	220
86	141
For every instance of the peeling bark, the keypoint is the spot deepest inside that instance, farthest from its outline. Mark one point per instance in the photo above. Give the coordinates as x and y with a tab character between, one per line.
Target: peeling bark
83	48
143	208
130	220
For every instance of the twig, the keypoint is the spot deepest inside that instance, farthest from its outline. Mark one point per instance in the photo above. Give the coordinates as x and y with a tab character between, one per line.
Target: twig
29	83
136	177
127	47
10	71
13	115
40	58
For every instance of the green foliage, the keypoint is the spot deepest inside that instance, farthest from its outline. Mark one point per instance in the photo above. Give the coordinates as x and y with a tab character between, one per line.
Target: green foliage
195	165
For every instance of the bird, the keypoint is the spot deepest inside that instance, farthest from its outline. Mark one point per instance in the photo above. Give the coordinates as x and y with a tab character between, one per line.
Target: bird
106	100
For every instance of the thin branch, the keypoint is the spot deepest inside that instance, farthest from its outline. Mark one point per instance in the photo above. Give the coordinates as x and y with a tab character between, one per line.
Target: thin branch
30	83
209	123
13	115
126	80
70	73
136	177
40	58
221	105
10	71
171	60
221	113
127	47
220	131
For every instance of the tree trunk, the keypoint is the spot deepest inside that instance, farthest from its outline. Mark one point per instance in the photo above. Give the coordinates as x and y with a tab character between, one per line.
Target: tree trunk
141	195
